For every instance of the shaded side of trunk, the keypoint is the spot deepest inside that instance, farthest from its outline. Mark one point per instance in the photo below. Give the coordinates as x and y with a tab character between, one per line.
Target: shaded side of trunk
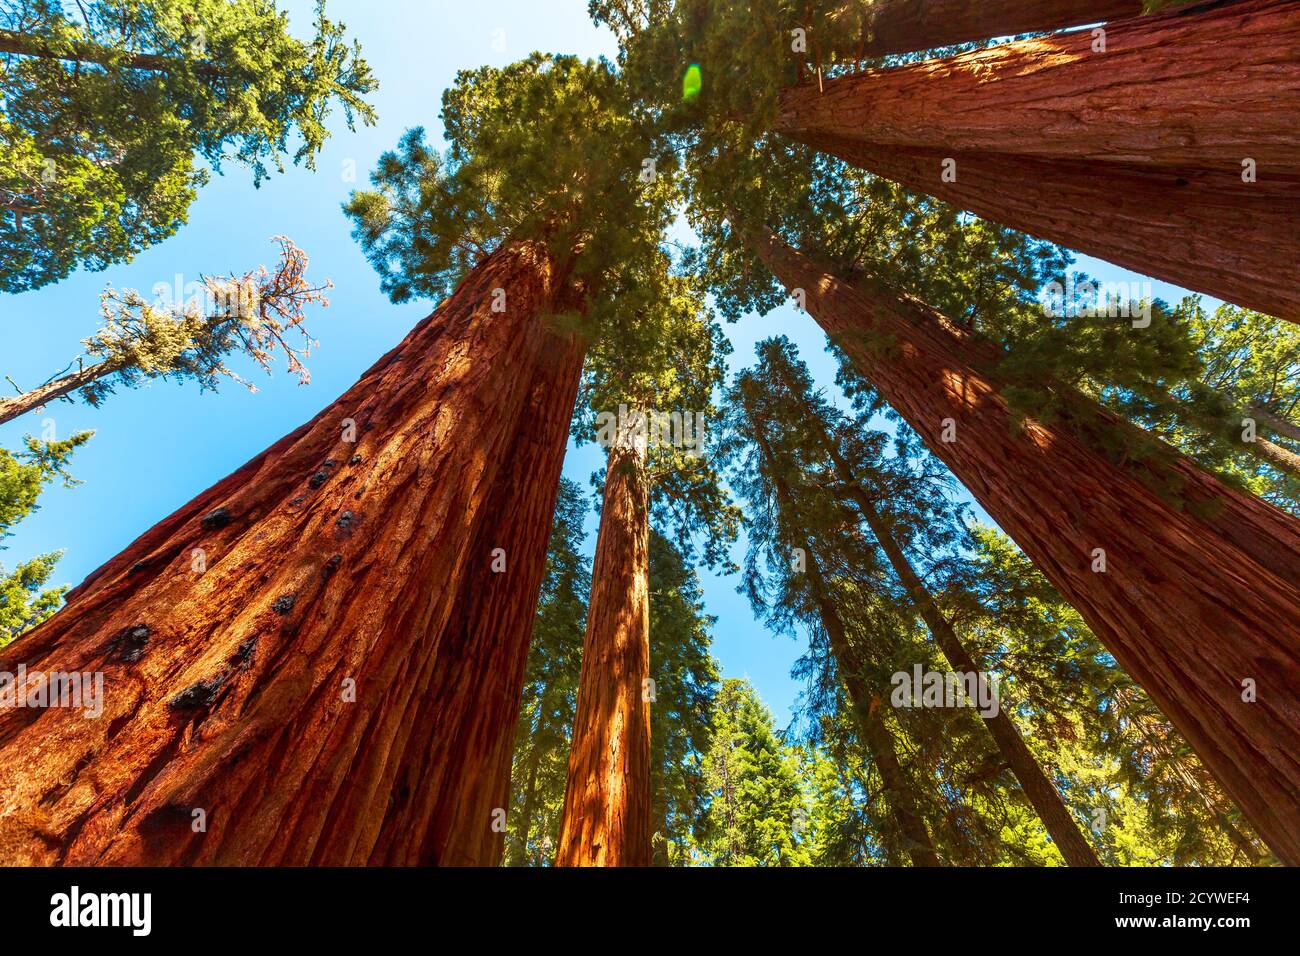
1041	793
1199	597
470	695
263	647
607	796
907	26
1200	229
1203	87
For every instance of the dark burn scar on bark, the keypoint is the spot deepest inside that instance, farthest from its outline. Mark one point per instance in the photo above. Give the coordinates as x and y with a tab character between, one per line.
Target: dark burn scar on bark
129	643
199	694
215	519
204	693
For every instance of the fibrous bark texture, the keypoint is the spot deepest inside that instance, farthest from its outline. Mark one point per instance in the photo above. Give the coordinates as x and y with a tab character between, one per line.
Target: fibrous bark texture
906	26
1174	152
1199	595
607	795
296	663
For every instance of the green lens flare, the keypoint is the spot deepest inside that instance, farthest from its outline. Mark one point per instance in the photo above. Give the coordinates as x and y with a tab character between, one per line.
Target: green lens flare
691	82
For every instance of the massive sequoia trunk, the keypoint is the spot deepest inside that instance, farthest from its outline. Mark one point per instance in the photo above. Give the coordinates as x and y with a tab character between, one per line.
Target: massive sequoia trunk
1136	155
906	26
1200	593
607	795
319	659
1042	795
897	787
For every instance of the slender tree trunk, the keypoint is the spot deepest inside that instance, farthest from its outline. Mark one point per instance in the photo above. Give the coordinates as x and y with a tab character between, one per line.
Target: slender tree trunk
1199	594
269	650
11	408
607	798
30	44
897	786
1134	155
1043	796
519	852
907	26
898	789
1276	423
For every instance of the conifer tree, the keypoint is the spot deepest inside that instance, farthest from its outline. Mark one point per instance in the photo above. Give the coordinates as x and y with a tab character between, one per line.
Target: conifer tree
773	488
25	600
666	363
109	103
756	799
398	539
251	315
886	497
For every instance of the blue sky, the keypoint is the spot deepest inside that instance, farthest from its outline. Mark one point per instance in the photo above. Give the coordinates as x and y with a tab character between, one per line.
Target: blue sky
158	446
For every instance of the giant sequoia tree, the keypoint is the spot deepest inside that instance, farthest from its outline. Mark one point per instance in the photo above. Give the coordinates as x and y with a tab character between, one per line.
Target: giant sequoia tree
1144	560
350	610
662	364
109	103
1027	134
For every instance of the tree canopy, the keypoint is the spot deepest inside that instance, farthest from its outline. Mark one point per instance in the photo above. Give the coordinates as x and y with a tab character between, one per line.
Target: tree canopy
110	105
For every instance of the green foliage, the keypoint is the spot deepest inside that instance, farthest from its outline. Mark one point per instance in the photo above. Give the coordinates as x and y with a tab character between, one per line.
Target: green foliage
1115	759
24	599
686	684
667	355
106	111
542	150
757	806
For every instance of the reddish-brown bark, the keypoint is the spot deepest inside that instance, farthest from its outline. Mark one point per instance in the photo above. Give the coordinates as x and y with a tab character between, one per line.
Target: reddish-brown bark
1203	87
1199	594
1133	155
1199	229
906	26
607	796
329	564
